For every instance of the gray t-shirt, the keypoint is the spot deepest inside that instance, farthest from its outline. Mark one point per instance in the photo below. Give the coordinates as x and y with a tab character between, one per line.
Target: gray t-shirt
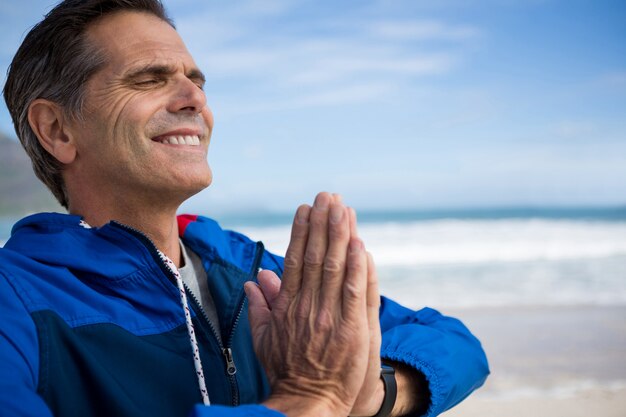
195	278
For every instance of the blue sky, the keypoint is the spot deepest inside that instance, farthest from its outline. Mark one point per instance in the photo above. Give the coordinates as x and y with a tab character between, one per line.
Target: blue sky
403	104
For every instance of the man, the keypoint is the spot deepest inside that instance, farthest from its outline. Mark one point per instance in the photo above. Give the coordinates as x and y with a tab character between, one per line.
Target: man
106	311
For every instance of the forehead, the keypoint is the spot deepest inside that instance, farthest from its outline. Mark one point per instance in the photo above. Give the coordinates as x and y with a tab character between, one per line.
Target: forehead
132	38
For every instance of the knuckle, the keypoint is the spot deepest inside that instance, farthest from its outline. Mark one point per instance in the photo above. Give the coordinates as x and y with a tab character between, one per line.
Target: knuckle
372	280
353	290
333	266
312	269
317	220
337	231
312	259
292	262
354	263
374	303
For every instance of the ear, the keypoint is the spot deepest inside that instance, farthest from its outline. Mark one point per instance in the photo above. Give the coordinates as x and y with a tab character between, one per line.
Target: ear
46	118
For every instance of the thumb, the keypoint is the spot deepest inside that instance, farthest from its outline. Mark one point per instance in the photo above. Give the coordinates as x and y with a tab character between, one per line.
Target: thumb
270	286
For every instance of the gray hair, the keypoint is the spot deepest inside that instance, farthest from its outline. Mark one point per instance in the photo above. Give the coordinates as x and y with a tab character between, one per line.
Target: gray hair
54	62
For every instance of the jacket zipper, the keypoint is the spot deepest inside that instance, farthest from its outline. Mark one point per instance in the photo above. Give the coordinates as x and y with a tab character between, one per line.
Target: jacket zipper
228	353
231	368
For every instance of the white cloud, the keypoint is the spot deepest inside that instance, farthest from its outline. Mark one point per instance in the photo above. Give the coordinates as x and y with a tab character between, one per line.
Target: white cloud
575	129
245	62
295	61
341	68
350	94
411	30
240	9
264	7
355	93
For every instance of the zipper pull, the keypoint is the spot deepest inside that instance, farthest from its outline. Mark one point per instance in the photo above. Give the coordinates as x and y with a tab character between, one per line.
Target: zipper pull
231	369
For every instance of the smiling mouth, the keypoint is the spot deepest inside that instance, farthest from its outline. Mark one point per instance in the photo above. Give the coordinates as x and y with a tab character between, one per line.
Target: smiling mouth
189	140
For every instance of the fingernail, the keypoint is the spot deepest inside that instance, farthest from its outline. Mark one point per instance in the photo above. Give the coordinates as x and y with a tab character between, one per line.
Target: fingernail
302	214
321	201
356	245
352	213
336	213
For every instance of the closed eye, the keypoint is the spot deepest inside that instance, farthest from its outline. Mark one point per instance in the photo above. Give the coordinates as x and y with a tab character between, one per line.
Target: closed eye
200	84
148	81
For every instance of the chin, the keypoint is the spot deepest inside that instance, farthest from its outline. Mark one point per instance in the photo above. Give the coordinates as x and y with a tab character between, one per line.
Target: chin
199	184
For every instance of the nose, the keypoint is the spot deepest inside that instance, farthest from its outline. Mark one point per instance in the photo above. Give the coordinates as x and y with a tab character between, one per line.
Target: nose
187	97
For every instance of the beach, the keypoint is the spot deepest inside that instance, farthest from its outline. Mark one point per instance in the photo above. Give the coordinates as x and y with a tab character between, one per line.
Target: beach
549	361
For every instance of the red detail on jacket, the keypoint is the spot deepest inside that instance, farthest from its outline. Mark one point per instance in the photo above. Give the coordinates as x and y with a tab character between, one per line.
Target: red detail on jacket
183	222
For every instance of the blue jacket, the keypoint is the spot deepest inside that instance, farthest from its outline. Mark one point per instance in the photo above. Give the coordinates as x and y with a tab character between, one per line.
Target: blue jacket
91	325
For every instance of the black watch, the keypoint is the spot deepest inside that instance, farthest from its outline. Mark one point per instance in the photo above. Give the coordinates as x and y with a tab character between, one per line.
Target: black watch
388	374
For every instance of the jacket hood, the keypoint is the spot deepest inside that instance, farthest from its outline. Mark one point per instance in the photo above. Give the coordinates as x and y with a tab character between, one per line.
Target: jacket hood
60	240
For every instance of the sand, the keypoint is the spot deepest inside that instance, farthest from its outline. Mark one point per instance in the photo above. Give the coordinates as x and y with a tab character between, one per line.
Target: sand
549	361
589	403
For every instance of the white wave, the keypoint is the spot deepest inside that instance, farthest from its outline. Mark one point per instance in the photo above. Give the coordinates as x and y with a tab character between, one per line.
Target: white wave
453	242
456	263
597	282
458	241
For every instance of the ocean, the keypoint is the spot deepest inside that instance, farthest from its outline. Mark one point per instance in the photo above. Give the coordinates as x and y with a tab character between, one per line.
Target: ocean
479	258
485	258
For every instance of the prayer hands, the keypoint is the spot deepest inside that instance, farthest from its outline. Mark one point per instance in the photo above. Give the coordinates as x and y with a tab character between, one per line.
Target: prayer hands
317	334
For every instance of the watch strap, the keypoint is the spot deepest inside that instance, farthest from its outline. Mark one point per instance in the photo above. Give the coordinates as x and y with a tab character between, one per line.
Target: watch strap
388	374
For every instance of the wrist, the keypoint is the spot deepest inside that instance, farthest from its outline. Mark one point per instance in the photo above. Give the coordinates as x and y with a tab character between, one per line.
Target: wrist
413	391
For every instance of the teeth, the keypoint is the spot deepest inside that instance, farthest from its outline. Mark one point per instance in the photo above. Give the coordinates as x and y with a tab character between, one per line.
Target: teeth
182	140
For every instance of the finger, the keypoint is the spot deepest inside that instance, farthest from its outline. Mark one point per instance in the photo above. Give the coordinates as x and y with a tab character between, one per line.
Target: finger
316	246
373	296
294	258
337	198
373	307
270	286
335	259
353	228
258	310
355	283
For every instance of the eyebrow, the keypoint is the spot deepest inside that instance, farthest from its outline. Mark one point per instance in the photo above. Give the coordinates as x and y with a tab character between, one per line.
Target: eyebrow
161	70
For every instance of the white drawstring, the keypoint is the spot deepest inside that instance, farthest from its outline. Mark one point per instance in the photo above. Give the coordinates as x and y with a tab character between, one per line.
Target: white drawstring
192	335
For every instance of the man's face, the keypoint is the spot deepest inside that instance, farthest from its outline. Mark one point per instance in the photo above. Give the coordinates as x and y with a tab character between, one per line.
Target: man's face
146	126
